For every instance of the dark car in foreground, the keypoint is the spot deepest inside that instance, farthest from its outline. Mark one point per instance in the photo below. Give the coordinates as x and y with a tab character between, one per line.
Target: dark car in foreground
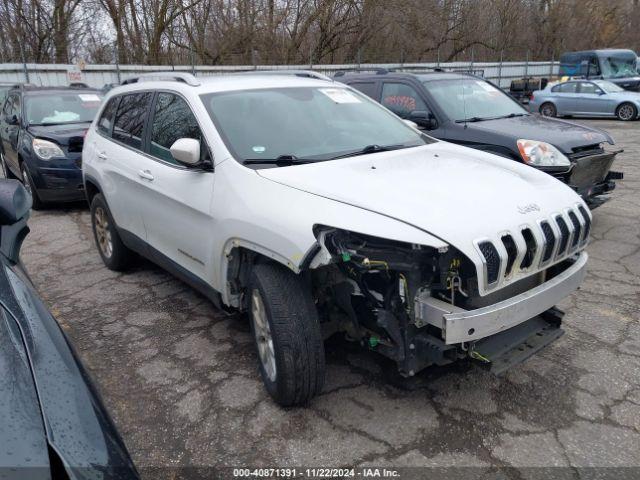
53	424
471	111
42	131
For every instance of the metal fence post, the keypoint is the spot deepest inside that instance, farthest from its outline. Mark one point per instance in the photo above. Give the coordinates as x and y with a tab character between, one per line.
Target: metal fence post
553	59
472	59
438	64
500	69
526	66
24	64
117	55
193	64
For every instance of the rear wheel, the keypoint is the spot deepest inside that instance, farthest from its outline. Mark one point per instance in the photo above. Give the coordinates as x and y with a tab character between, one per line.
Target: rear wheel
5	169
114	253
626	112
286	330
548	110
29	187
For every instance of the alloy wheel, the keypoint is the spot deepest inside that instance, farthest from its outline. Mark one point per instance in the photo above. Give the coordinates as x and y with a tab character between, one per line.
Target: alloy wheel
548	111
626	112
103	234
262	331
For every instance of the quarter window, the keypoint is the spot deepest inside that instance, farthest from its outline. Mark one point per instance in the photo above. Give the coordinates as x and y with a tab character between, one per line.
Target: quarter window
129	122
106	119
173	119
401	99
569	87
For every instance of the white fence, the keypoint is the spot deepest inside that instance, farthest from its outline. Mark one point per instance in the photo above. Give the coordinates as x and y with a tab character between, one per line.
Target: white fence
500	73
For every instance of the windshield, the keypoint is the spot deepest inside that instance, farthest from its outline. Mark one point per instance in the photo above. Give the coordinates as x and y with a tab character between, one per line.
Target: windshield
305	123
619	66
609	87
470	98
59	108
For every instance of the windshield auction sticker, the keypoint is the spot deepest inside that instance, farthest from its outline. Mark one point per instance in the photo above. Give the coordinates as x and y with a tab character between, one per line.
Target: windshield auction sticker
89	97
340	95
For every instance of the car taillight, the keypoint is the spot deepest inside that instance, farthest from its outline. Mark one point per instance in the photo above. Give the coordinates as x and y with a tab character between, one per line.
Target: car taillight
531	97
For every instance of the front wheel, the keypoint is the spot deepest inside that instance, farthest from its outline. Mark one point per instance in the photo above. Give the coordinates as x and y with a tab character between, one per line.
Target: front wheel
286	330
626	112
548	110
30	187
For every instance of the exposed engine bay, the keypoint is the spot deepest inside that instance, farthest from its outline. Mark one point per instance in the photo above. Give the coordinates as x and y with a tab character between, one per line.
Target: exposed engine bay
374	290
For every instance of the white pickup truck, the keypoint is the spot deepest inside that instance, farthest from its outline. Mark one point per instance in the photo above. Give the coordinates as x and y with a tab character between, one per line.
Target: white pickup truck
318	211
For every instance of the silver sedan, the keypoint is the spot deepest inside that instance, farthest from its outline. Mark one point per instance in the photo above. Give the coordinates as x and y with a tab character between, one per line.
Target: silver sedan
591	98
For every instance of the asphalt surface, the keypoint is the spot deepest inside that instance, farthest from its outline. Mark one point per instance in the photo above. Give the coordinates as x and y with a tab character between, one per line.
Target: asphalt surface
181	381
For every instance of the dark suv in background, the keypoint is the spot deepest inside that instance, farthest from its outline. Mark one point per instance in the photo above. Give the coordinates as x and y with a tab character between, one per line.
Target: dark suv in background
42	131
470	111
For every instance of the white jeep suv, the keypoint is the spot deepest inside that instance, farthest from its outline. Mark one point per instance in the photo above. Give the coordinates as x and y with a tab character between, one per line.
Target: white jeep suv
318	211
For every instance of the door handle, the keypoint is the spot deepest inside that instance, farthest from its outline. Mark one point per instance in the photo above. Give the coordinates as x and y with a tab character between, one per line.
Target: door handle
146	175
102	156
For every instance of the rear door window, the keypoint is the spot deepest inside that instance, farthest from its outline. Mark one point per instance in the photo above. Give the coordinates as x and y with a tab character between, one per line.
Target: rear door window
128	126
401	99
368	88
173	119
106	119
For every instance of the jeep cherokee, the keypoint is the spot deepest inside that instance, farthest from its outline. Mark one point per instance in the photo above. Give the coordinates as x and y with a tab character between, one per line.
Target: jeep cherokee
317	211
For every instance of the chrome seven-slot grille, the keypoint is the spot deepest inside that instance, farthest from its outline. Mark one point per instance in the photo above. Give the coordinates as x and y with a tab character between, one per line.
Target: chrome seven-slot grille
559	236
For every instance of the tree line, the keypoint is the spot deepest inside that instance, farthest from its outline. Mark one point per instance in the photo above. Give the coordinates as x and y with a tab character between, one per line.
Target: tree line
214	32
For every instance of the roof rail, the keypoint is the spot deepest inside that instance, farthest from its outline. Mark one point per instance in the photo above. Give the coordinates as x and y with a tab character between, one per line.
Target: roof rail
297	73
378	71
184	77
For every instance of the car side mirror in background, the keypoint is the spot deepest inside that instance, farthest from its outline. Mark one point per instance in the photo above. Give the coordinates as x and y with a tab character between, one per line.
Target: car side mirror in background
423	119
11	119
186	150
410	123
600	92
15	205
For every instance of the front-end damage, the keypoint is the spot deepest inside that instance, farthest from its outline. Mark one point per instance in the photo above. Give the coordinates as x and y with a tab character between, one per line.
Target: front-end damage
421	306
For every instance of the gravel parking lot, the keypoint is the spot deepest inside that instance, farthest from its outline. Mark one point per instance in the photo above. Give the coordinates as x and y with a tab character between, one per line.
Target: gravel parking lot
181	381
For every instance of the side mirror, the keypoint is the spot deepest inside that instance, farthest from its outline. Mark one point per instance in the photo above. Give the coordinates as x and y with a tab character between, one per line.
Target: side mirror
411	124
186	150
15	204
423	119
600	92
11	119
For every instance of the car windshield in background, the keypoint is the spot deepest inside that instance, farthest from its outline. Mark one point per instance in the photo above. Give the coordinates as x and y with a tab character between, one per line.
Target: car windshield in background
609	87
472	100
59	108
619	66
303	124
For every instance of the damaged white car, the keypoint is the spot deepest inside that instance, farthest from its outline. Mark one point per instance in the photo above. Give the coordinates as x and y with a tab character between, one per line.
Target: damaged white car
318	211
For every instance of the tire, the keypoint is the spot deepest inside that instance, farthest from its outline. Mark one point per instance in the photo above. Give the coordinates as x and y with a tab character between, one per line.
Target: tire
286	331
626	112
6	173
27	181
548	109
115	255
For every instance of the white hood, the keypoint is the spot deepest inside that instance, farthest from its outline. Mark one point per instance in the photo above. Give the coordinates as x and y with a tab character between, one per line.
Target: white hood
456	193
